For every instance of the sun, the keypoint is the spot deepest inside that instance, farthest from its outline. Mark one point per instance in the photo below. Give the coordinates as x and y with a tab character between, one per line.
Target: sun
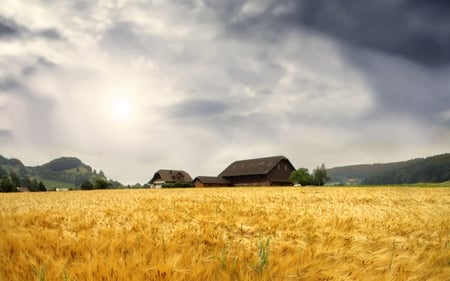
122	109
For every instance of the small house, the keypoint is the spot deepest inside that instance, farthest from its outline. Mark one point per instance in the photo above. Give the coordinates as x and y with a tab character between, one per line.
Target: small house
169	176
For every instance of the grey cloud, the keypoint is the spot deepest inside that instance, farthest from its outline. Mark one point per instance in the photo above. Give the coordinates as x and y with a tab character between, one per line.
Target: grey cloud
9	29
6	135
261	70
26	108
32	118
122	35
197	108
411	39
41	63
14	81
6	30
250	126
7	84
51	34
125	38
418	30
403	88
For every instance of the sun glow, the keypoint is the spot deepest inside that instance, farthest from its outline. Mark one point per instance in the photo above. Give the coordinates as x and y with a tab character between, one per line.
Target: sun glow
122	109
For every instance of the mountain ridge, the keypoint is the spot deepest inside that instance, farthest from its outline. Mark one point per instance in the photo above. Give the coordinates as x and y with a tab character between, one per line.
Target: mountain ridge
62	171
432	169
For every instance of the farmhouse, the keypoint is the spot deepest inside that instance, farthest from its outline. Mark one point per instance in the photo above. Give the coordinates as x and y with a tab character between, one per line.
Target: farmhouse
268	171
169	176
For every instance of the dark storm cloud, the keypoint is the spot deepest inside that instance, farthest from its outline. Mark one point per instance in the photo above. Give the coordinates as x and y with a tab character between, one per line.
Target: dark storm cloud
402	47
9	29
403	88
418	30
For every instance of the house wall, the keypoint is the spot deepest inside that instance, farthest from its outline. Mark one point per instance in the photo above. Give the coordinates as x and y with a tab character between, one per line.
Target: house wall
282	170
250	180
198	183
279	175
156	177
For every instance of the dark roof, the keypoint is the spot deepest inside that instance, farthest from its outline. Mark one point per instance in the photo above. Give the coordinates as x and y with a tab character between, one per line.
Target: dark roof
170	176
259	166
212	180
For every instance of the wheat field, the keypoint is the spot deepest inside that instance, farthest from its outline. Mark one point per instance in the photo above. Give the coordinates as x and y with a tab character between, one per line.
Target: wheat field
227	234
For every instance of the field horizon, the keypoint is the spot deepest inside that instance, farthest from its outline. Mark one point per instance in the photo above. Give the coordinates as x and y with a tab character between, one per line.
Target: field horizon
308	233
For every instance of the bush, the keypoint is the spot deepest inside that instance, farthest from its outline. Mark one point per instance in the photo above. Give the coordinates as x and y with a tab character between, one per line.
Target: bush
178	184
87	185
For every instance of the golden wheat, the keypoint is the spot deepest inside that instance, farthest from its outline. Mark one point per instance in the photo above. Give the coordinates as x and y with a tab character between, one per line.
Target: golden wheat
227	234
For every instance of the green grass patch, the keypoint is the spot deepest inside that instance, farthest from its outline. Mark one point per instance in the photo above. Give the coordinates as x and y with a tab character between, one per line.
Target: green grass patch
58	184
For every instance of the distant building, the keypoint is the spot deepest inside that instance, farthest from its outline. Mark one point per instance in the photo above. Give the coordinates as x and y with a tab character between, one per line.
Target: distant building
169	176
268	171
23	189
203	181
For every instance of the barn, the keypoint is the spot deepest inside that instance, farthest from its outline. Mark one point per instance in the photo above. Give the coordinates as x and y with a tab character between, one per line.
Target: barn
169	176
267	171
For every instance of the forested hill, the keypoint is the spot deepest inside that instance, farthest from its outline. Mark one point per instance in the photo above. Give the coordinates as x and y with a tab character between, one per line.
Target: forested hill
61	172
433	169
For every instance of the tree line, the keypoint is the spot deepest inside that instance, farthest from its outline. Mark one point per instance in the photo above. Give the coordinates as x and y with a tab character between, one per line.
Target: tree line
434	169
302	176
10	182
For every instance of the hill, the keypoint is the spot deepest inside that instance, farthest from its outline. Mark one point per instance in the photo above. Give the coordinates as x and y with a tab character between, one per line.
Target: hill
434	169
66	172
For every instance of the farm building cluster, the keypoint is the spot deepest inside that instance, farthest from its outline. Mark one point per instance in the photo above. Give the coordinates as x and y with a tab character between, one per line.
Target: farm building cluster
267	171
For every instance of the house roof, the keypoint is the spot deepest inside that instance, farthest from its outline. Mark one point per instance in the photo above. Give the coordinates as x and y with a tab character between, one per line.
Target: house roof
171	176
259	166
212	180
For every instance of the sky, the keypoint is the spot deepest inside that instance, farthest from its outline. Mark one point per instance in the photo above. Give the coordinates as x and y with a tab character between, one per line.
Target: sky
133	86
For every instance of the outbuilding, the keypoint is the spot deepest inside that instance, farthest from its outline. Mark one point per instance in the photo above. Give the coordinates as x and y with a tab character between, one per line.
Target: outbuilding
205	181
164	176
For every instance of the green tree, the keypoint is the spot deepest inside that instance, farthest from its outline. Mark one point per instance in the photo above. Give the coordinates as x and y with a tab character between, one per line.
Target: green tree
87	185
320	175
6	185
101	174
301	176
26	182
3	173
15	180
41	186
101	183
